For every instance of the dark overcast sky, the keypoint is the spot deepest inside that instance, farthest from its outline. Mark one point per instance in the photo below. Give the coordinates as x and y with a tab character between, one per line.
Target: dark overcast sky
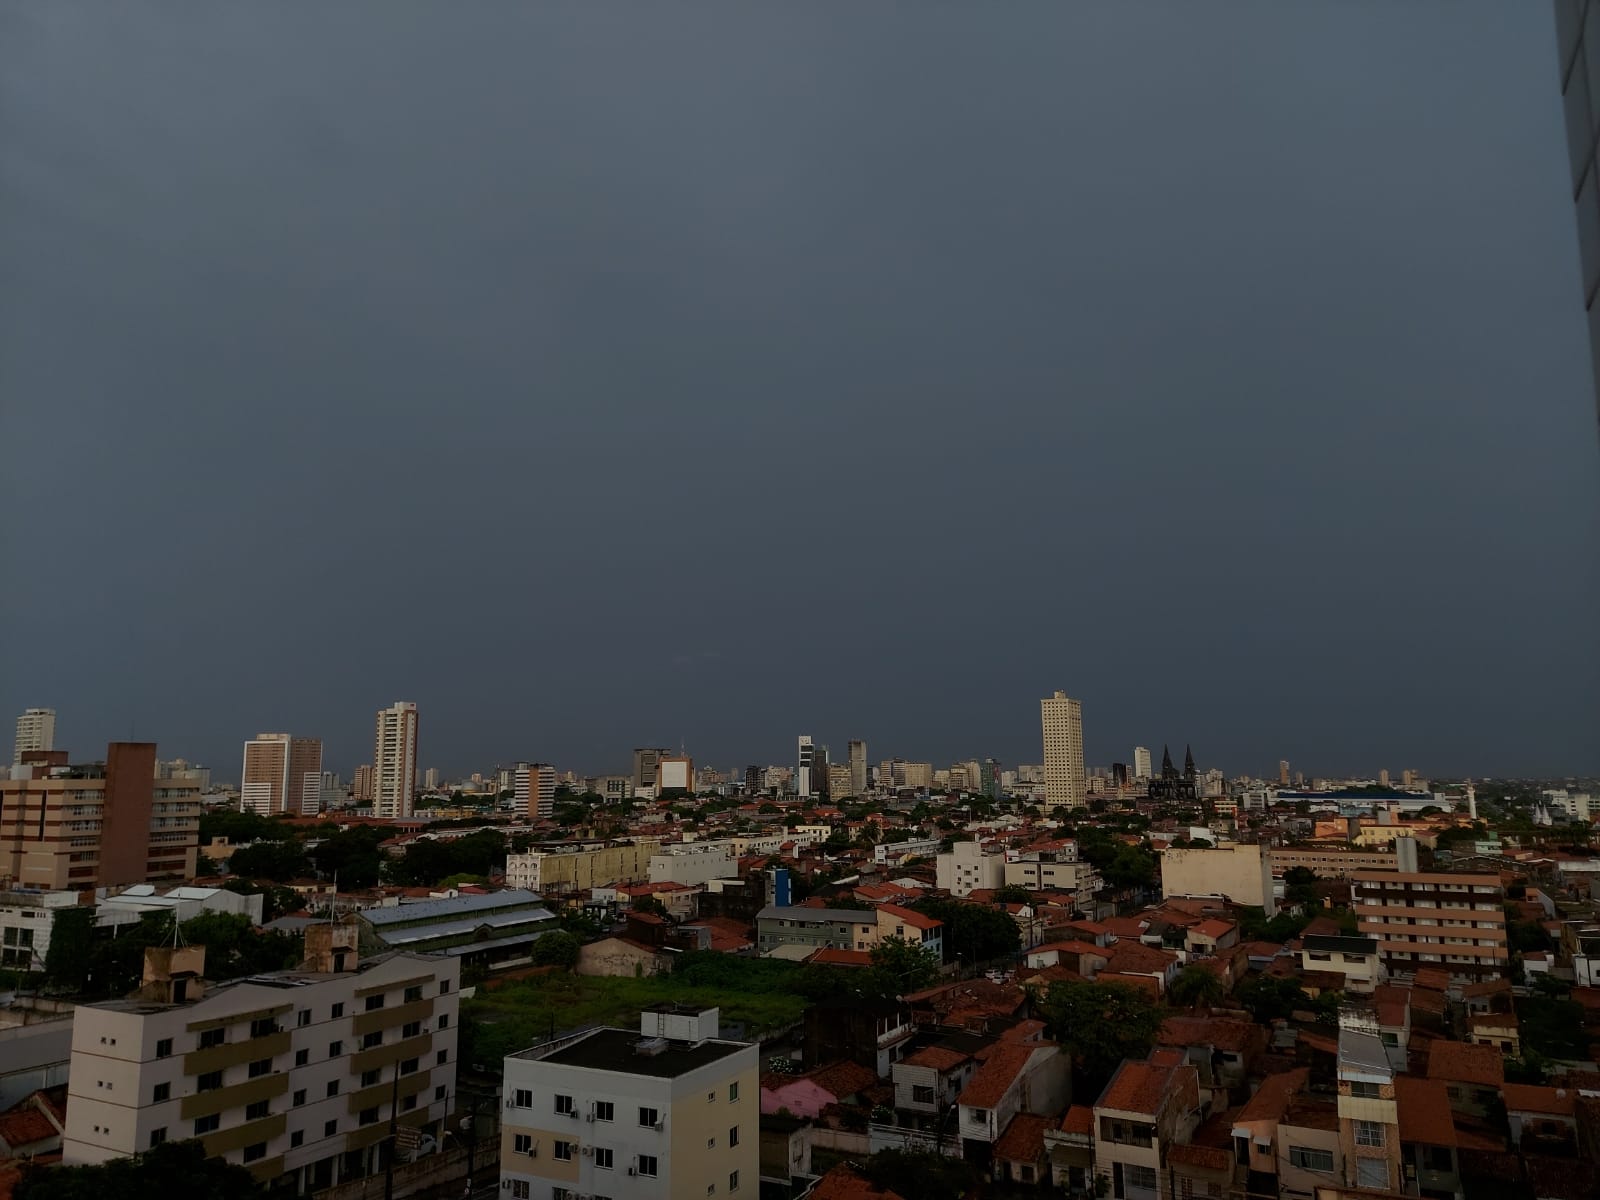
607	374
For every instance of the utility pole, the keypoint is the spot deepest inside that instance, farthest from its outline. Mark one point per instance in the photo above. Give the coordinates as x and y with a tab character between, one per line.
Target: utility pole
394	1135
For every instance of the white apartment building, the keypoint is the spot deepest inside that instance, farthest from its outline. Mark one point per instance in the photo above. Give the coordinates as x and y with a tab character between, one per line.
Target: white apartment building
1065	782
295	1075
693	863
665	1112
533	789
394	761
1141	762
1055	871
36	730
966	868
581	868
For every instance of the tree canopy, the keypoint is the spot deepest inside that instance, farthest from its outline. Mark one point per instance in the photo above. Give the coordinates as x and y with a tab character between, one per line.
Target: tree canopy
1100	1024
973	932
1194	987
170	1169
910	966
558	948
276	861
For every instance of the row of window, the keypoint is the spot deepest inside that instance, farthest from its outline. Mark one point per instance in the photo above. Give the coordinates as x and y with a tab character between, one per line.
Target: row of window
603	1156
647	1165
564	1105
266	1026
261	1109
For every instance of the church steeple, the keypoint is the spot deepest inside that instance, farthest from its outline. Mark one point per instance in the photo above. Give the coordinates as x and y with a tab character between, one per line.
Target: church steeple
1166	762
1188	763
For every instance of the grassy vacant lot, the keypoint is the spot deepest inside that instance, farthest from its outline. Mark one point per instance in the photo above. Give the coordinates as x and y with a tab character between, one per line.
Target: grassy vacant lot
520	1013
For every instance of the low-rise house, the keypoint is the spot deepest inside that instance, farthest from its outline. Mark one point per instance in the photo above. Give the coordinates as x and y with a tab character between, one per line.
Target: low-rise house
1356	960
1071	1148
1499	1030
33	1128
874	1033
911	926
1082	958
1541	1118
806	1095
1223	1050
1201	1168
1131	958
817	928
1146	1109
1472	1075
1014	1077
928	1081
1020	1155
1427	1137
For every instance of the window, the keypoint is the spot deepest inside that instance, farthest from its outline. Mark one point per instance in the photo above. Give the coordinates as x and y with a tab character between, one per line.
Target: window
733	1135
414	992
257	1111
212	1037
733	1181
444	1020
333	1087
921	1094
335	1049
375	1002
647	1165
602	1158
1372	1173
411	1029
157	1136
522	1143
438	1092
255	1153
1364	1090
338	1010
164	1048
711	1143
1369	1133
409	1067
604	1110
299	1098
263	1027
209	1082
375	1038
563	1151
302	1018
297	1138
522	1098
407	1103
367	1116
368	1078
560	1193
711	1097
564	1105
1311	1160
302	1057
207	1124
444	986
711	1189
261	1066
1139	1178
163	1092
521	1189
329	1128
442	1057
733	1091
649	1116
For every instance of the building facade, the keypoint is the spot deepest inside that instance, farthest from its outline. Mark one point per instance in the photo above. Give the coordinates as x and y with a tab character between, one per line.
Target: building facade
99	824
1455	922
281	774
394	761
1065	781
36	730
533	789
804	785
295	1075
556	872
668	1111
1242	873
858	767
966	868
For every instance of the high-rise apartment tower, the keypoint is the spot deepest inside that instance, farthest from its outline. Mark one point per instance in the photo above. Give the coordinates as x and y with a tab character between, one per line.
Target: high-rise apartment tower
36	730
1065	783
394	761
281	774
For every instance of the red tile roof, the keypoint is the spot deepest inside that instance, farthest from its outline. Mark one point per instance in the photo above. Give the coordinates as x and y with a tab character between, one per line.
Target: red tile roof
1079	1120
24	1127
1457	1062
844	1182
1272	1098
1138	1087
1023	1140
909	917
1224	1033
1135	958
833	957
1208	1158
995	1077
1547	1101
1424	1111
939	1058
842	1079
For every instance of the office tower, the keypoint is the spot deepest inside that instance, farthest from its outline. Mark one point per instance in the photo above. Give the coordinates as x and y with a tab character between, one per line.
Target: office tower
1578	44
646	766
666	1109
333	790
296	1075
361	785
36	730
674	772
394	761
802	775
1283	772
839	781
752	779
1119	775
534	790
1064	780
989	778
281	774
430	779
857	750
99	824
1141	762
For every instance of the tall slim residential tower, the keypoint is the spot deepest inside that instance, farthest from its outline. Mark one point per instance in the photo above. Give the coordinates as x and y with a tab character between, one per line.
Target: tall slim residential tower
36	730
533	789
281	774
394	761
646	765
1141	762
1065	783
803	785
858	768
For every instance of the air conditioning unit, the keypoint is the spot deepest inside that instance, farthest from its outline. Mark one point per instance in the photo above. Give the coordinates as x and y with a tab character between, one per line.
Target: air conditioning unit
505	1185
633	1170
589	1116
588	1151
533	1151
659	1126
573	1114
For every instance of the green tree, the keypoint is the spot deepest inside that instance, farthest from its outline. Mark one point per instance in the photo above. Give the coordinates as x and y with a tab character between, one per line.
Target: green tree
1013	893
557	948
1130	867
1196	987
1099	1025
975	933
277	901
350	854
1300	885
167	1170
1268	997
910	966
278	861
925	1176
67	963
240	827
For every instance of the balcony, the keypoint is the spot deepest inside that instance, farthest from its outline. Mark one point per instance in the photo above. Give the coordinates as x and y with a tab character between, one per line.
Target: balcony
393	1052
388	1018
382	1094
203	1104
248	1134
235	1054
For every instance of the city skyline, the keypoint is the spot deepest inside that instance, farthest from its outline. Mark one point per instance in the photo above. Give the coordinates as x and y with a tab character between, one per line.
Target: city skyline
1263	424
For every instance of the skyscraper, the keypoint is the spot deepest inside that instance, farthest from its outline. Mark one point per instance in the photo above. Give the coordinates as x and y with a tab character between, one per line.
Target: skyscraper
394	761
1141	762
36	730
646	766
281	774
1064	779
430	779
534	790
802	775
361	785
1578	44
1283	772
858	767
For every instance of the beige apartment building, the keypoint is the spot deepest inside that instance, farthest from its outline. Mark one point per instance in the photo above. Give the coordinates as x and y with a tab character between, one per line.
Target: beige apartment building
1423	919
668	1111
558	872
36	730
394	761
103	824
1065	781
1241	873
281	774
1332	863
295	1075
